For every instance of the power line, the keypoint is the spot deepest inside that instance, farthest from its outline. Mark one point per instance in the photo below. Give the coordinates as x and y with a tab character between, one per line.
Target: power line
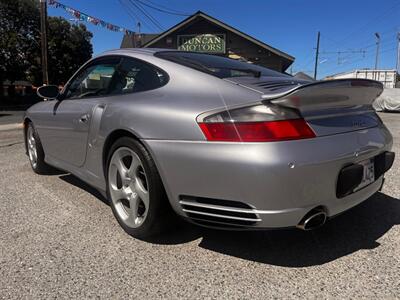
148	15
351	52
363	48
343	51
163	6
331	70
387	12
309	59
171	12
135	16
389	33
388	39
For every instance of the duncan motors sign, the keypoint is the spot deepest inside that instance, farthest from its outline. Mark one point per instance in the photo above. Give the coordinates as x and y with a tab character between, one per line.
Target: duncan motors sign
209	43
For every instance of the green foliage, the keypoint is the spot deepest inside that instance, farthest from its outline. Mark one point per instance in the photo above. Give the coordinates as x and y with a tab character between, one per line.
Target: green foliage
68	45
19	31
68	48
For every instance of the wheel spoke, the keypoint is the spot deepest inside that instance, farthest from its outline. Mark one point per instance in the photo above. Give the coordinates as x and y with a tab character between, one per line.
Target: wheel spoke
117	194
135	164
34	155
119	163
142	193
133	207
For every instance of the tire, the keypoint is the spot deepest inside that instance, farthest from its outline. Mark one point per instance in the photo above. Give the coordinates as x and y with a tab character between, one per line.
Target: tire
135	190
35	151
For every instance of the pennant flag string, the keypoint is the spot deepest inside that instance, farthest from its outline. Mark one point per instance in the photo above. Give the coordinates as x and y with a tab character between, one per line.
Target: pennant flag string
86	18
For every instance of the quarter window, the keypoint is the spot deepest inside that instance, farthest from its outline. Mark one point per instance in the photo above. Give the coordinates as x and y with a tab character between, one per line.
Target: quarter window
136	76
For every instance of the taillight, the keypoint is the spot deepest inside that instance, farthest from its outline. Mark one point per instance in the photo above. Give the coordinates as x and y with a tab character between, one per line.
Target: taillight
255	124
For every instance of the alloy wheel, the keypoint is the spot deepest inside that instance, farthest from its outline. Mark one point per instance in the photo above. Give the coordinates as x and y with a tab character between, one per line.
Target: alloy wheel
128	187
31	143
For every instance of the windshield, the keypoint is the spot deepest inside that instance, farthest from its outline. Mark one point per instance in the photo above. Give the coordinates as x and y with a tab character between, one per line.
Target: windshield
219	66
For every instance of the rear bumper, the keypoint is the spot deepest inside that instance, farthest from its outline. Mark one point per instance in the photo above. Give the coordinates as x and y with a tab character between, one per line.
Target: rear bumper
277	182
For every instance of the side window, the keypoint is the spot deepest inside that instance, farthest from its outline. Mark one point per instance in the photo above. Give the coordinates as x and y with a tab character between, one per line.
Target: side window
94	80
136	76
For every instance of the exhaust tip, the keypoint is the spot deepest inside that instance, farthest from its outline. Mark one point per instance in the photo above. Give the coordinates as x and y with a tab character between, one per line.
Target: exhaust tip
312	220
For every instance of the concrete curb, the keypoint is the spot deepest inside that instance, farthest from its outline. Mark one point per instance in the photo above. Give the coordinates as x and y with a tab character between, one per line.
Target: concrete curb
14	126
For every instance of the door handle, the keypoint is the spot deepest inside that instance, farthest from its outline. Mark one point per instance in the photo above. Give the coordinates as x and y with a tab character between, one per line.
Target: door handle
84	118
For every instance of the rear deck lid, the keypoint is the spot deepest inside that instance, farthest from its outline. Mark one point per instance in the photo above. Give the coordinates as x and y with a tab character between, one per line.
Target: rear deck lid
329	107
336	106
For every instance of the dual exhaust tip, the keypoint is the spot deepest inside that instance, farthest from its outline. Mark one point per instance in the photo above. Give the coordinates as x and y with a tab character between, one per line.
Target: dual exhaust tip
313	219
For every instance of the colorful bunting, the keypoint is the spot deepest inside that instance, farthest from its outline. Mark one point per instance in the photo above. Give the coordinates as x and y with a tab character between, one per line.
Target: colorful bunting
84	17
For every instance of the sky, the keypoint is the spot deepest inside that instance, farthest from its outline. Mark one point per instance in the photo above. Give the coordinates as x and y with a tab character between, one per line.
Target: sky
346	26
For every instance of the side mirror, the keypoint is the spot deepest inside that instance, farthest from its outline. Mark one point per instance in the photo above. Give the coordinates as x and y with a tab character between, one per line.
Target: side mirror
48	92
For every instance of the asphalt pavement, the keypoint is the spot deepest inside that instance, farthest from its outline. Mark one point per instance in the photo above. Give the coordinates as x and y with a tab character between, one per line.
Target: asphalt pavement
11	117
59	239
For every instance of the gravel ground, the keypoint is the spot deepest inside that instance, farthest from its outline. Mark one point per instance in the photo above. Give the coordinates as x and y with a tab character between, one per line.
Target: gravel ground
58	239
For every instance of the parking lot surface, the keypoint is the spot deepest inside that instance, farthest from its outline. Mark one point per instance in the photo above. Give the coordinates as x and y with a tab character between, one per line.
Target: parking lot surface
59	239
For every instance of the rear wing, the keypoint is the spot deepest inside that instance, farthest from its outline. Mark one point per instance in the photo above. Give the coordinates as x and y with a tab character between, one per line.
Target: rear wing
330	94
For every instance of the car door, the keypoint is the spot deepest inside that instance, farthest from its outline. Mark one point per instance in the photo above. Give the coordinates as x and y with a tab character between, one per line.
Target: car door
66	130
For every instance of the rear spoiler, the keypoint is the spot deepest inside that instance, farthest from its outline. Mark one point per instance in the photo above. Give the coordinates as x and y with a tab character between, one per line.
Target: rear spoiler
329	94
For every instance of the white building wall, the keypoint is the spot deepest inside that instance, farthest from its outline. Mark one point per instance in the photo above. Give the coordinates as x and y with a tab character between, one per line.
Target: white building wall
388	78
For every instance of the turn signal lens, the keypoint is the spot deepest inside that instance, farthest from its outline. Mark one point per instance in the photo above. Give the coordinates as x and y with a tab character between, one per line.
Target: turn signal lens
268	131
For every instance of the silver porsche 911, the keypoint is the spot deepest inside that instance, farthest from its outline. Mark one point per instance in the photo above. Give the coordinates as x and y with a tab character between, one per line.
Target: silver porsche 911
219	142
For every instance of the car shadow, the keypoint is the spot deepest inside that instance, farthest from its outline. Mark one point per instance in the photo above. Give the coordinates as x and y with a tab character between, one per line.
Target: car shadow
71	179
360	228
55	172
357	229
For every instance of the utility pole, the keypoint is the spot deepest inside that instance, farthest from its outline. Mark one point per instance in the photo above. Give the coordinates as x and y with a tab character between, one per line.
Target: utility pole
43	37
137	36
378	42
398	53
316	56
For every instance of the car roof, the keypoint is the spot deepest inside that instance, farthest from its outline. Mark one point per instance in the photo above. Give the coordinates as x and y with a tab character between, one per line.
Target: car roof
150	51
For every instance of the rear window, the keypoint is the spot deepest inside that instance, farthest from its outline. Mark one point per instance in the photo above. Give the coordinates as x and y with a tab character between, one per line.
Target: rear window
219	66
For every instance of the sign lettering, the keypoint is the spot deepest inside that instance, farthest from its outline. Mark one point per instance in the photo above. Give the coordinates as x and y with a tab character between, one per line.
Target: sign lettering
210	43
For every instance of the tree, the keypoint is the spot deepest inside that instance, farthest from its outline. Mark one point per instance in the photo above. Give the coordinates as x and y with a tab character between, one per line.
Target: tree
68	48
19	32
68	45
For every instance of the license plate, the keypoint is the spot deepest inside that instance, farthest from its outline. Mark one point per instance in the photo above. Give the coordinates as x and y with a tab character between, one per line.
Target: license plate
368	175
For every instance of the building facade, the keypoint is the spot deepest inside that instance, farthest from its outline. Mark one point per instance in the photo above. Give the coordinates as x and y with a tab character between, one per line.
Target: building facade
203	33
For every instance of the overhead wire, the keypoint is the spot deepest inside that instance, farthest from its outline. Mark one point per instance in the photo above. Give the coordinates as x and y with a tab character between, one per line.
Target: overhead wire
363	50
389	38
160	9
331	70
379	17
147	14
135	16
